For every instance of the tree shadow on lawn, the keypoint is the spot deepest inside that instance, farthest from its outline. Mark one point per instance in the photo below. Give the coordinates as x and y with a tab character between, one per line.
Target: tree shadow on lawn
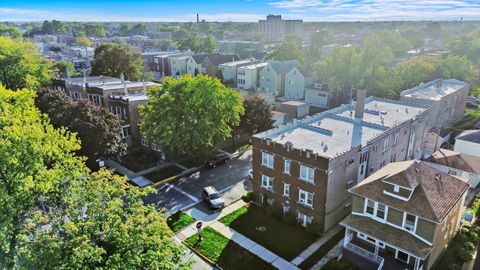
234	257
285	240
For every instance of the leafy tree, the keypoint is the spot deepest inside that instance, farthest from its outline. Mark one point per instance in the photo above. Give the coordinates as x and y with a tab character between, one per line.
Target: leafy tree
53	28
288	50
21	65
62	67
98	130
394	40
115	59
138	29
35	161
10	31
94	30
109	227
468	46
55	215
342	69
209	44
190	115
458	67
189	41
257	117
415	71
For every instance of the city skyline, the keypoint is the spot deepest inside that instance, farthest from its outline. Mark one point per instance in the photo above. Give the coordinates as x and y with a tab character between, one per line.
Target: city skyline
239	11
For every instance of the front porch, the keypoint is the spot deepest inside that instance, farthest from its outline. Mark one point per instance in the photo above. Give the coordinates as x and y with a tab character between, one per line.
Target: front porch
372	254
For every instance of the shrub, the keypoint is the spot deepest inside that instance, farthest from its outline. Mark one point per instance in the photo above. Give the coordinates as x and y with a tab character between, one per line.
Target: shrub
249	197
465	254
290	218
270	211
313	228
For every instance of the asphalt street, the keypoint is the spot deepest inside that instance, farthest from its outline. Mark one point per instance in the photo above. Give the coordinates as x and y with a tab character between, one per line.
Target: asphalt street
230	179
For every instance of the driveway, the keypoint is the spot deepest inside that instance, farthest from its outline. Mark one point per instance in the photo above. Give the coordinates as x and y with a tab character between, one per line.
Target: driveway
230	179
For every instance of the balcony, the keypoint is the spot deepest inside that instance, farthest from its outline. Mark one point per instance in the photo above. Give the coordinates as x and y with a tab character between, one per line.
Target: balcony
371	261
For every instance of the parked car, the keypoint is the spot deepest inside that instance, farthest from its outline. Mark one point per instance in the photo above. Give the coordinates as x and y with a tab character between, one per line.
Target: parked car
218	159
213	198
471	104
473	99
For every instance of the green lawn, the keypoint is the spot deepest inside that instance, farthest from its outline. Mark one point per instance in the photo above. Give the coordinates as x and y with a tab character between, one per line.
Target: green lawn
272	233
179	220
322	251
333	264
224	252
228	219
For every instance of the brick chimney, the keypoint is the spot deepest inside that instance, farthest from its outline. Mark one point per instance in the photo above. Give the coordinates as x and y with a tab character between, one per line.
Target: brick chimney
360	104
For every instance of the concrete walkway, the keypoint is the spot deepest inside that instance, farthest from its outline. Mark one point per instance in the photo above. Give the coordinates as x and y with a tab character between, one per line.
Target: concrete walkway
212	221
335	252
313	247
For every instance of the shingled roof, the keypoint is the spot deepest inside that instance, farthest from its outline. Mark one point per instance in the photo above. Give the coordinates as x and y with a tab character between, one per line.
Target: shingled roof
434	192
459	161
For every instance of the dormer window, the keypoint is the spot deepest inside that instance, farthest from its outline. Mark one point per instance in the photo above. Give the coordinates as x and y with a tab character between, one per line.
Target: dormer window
397	191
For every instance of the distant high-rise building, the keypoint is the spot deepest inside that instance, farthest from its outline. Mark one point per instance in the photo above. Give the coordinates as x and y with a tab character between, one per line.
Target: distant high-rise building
276	29
198	18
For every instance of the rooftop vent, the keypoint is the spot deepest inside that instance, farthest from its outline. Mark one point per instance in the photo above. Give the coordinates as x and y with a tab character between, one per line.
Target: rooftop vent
289	145
417	170
438	177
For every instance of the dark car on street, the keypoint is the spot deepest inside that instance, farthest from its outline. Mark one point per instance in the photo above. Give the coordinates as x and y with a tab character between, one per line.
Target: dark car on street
213	198
217	160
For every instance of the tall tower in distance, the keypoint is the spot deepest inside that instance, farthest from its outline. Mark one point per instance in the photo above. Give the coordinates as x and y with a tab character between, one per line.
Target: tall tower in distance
198	18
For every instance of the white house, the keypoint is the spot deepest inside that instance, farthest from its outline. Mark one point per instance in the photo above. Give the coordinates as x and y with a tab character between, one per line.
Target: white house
272	76
294	85
468	142
463	166
229	70
178	66
318	94
247	76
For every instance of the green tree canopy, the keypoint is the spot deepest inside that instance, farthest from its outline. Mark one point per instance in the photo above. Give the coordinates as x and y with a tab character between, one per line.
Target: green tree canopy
209	44
60	68
10	31
94	30
53	28
257	117
288	50
21	65
341	69
56	215
458	67
190	115
468	46
115	59
98	129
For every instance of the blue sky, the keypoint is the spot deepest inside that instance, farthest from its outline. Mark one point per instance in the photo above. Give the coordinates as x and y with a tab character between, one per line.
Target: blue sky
238	10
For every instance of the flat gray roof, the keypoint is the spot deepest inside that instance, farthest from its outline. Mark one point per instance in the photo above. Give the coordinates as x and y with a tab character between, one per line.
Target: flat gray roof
434	90
335	131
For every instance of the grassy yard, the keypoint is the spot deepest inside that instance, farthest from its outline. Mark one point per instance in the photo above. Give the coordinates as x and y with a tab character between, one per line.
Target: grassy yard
163	173
138	160
179	221
333	264
224	252
272	233
322	251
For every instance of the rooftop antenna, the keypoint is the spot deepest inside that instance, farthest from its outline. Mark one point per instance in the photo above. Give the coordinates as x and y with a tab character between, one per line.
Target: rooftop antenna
84	79
125	90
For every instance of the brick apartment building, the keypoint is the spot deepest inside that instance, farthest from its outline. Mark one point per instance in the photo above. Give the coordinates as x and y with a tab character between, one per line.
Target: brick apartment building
307	167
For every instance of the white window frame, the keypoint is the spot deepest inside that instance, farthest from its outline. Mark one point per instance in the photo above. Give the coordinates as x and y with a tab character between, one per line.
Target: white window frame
286	190
395	138
374	215
267	158
385	145
396	256
125	133
144	142
287	163
267	182
404	222
307	177
304	219
156	147
305	197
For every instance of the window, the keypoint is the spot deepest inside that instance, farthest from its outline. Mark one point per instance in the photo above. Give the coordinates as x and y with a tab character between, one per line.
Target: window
124	133
286	189
409	222
393	158
75	95
376	209
286	208
305	197
370	207
396	188
267	182
156	147
306	173
304	219
402	256
382	163
395	139
144	142
267	160
286	166
385	145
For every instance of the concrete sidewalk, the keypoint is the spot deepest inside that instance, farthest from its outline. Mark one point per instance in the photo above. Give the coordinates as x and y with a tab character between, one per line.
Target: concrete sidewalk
313	247
248	244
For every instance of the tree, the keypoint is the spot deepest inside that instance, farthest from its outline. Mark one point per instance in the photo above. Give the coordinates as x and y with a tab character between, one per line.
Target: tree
53	28
209	44
98	130
189	41
94	30
257	117
63	68
415	71
21	65
10	31
83	42
458	67
35	161
138	29
288	50
115	59
341	69
190	115
468	46
394	40
109	227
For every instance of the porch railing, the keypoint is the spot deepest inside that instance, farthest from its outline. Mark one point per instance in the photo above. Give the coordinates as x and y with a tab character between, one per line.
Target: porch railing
366	254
